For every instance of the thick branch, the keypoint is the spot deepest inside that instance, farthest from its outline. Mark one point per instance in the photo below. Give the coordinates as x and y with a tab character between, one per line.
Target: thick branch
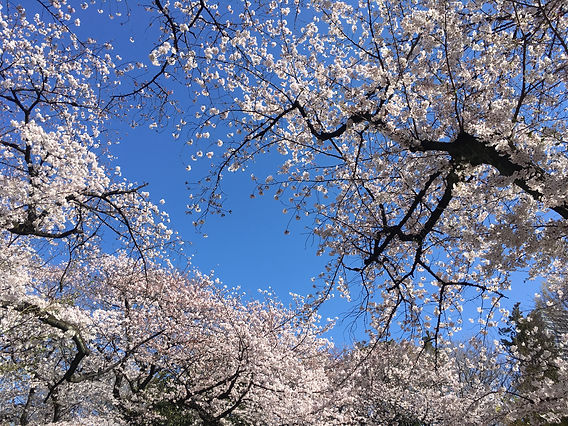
469	149
47	318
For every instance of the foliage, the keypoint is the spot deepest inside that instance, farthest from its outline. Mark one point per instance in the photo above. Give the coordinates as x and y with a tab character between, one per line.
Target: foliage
530	340
533	346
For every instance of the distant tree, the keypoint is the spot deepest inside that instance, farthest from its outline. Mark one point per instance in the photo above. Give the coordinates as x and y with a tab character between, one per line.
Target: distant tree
533	348
552	304
532	345
401	383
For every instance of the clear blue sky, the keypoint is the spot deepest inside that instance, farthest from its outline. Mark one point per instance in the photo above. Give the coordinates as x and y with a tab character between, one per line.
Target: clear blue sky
247	248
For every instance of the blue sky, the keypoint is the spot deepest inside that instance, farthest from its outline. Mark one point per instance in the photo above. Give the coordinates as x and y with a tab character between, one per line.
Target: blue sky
247	248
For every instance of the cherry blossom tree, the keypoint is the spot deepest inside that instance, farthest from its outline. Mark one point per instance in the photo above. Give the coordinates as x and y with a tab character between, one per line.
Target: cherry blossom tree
133	345
424	139
57	197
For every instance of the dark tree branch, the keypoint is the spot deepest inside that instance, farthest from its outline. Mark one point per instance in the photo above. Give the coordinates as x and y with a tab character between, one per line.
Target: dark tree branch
469	149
